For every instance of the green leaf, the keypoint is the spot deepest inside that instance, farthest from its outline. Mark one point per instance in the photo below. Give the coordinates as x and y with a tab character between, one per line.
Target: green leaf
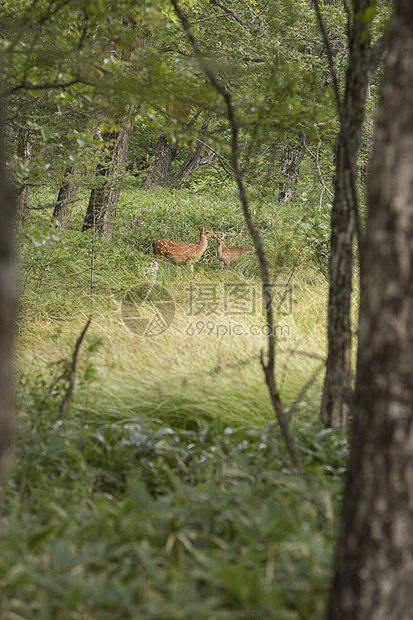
365	37
140	494
46	133
369	15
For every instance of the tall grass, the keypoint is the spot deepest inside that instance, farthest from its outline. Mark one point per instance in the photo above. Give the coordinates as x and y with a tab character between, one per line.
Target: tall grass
166	493
200	350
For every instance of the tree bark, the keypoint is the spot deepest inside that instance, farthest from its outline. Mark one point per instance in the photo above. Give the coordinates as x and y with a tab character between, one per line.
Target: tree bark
291	159
373	576
8	305
159	174
193	161
24	149
338	378
67	193
104	198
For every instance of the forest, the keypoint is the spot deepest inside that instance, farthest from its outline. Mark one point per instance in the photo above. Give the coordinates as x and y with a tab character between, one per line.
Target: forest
206	309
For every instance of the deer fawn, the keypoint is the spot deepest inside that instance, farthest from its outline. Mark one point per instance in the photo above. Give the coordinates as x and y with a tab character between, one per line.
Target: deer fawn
178	252
229	255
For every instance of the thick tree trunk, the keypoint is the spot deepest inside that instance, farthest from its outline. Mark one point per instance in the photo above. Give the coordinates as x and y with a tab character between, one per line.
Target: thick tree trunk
8	304
374	556
338	378
67	194
337	382
193	161
291	159
104	198
159	174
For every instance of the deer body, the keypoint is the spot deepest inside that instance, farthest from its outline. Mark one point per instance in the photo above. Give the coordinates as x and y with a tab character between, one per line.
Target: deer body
178	252
229	255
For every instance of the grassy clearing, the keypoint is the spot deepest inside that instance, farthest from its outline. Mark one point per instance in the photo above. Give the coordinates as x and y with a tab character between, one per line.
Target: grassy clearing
167	492
211	351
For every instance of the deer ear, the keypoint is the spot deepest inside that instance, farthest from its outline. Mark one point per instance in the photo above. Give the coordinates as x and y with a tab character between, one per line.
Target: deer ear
200	228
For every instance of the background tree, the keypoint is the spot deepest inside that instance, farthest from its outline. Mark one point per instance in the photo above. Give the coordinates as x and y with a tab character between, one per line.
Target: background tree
291	159
8	304
194	159
374	556
160	174
104	198
363	59
67	193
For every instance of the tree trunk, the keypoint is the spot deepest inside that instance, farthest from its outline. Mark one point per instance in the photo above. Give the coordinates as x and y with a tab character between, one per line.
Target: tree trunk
67	193
338	378
374	556
24	149
104	198
193	161
159	174
337	382
291	159
8	305
367	142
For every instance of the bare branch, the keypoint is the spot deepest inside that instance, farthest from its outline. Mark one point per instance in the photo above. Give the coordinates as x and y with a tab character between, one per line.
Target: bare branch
44	86
254	14
49	205
340	109
218	156
317	162
234	15
329	52
268	366
66	400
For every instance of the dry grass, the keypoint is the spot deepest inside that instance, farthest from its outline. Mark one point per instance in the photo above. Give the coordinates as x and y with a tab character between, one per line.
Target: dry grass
204	362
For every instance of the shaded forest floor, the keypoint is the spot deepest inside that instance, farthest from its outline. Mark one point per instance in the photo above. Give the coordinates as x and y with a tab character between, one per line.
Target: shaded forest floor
167	492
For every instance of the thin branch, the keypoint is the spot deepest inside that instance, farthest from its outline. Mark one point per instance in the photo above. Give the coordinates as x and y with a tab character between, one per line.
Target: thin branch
218	156
38	117
256	15
330	58
208	19
45	85
49	205
319	171
298	399
234	15
268	366
340	107
66	400
217	55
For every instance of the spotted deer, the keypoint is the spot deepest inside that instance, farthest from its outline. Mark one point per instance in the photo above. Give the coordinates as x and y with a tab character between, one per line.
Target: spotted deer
229	255
178	252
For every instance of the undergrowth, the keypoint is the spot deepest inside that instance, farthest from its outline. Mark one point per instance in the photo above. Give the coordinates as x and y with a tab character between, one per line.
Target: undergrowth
167	492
